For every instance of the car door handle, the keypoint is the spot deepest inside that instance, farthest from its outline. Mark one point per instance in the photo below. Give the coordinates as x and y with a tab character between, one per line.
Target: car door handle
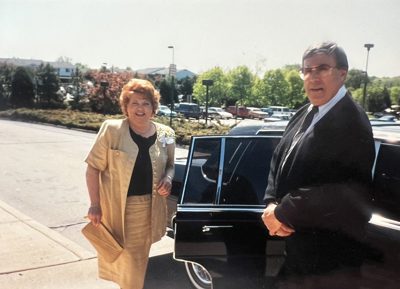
206	229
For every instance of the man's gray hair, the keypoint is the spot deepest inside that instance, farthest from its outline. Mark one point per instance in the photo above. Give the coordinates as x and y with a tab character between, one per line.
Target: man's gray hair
328	48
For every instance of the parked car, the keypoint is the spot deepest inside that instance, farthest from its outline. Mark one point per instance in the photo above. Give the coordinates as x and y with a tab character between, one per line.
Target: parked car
387	120
387	117
281	111
218	229
164	110
238	111
255	112
217	113
267	110
188	110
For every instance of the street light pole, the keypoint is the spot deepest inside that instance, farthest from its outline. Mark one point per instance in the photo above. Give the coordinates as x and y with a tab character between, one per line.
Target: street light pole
173	53
172	74
364	101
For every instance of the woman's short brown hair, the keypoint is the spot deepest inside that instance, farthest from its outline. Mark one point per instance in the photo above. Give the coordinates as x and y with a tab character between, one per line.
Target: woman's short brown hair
141	86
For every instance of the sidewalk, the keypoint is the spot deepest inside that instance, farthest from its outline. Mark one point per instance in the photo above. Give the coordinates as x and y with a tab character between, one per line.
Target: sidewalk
36	257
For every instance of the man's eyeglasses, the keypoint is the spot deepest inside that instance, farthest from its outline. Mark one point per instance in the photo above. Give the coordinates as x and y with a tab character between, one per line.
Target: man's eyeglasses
320	70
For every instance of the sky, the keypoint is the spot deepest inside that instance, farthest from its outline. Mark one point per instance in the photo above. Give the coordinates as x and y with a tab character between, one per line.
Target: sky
260	34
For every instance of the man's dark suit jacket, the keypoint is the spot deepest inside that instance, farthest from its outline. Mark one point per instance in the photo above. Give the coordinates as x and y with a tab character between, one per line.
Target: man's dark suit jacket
323	189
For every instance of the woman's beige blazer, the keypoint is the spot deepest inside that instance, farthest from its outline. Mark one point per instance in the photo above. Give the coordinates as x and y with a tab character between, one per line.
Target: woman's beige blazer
114	154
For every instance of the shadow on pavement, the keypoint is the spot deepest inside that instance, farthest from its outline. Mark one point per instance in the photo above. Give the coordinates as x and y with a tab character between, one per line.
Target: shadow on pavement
164	272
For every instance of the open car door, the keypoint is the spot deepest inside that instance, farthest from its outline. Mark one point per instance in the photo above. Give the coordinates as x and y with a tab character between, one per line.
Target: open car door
218	223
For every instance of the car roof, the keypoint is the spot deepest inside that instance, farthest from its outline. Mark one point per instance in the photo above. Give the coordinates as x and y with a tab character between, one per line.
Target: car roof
388	134
252	127
187	103
385	133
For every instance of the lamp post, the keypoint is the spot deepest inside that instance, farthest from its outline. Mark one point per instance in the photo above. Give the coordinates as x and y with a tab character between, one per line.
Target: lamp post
364	102
207	83
172	71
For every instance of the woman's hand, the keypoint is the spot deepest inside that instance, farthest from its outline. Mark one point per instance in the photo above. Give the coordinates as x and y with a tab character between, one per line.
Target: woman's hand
95	214
165	185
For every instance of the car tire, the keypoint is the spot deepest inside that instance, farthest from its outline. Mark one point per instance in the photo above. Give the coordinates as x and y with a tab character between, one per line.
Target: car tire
198	276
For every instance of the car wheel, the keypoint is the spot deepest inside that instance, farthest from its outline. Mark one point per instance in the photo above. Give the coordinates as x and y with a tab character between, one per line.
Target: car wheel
198	276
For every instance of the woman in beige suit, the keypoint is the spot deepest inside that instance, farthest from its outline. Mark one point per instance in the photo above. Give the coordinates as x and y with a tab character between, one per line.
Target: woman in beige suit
129	172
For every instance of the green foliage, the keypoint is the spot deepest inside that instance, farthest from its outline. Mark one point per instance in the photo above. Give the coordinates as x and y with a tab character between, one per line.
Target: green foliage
168	91
22	90
295	96
185	87
355	79
241	86
185	129
47	87
6	72
218	92
276	88
236	86
240	81
67	118
377	98
395	94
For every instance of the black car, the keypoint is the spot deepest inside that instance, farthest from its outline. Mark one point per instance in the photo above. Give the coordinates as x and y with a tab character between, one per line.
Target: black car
218	229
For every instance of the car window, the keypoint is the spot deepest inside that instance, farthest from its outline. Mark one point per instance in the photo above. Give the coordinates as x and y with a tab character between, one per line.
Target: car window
203	172
245	171
243	178
387	181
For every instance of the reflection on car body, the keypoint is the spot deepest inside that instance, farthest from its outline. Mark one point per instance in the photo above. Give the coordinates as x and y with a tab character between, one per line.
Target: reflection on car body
218	230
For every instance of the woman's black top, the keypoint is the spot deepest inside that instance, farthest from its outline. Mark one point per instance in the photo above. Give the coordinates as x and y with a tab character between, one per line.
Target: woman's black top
142	175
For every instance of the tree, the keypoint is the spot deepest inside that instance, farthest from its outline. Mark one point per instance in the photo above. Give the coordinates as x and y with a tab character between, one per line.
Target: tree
295	95
240	81
78	90
276	88
22	91
185	87
395	94
258	94
386	97
167	94
375	99
6	73
355	79
218	92
104	94
48	86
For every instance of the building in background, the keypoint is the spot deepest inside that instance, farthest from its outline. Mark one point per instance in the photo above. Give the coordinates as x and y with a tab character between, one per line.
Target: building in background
64	70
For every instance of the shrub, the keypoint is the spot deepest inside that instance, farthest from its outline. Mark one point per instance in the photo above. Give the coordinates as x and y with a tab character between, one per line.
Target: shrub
184	129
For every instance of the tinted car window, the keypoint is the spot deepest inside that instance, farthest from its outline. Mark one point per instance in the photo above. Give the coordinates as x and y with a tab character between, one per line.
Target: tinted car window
246	168
244	172
203	172
387	181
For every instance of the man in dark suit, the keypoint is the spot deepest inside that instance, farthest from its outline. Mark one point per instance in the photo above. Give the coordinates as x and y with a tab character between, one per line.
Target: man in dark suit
318	187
